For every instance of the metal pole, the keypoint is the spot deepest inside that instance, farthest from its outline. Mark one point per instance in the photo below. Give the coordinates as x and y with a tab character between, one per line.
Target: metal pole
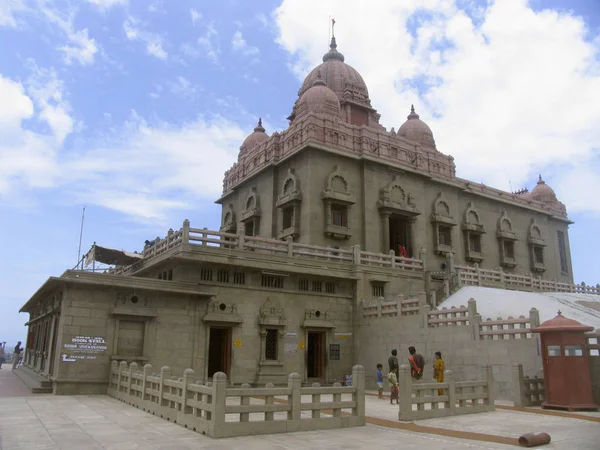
80	236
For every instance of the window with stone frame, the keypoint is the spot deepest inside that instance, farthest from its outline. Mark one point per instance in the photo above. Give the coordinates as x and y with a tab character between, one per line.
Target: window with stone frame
562	252
303	285
338	201
377	289
339	215
251	214
443	223
288	206
506	241
473	231
271	344
249	228
538	254
536	247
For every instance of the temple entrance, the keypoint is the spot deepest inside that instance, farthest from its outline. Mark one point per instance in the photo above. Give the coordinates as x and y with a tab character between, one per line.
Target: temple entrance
315	355
400	234
219	351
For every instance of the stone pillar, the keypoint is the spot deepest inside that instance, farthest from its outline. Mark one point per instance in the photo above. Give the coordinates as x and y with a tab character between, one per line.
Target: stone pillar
122	369
449	263
424	312
534	318
488	375
165	374
411	236
245	401
185	232
356	254
147	373
358	381
423	257
405	394
219	396
392	254
188	378
133	368
114	368
478	274
518	386
449	378
385	225
294	383
290	246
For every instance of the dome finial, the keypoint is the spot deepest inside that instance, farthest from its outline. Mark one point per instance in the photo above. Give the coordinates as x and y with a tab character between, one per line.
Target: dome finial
333	54
413	114
559	313
259	127
540	179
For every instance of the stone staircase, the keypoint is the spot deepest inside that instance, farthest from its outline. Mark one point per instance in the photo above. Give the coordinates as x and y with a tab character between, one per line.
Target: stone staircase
34	381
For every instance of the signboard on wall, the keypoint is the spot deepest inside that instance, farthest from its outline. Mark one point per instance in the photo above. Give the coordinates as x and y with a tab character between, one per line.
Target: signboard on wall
83	347
290	343
343	336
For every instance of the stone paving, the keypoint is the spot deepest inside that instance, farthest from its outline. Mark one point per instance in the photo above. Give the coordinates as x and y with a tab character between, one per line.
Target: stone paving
47	422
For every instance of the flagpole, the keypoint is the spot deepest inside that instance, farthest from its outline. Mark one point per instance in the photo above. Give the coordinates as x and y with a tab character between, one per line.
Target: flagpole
80	236
329	29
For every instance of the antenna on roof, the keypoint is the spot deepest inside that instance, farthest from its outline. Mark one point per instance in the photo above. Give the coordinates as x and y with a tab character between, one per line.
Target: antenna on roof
80	236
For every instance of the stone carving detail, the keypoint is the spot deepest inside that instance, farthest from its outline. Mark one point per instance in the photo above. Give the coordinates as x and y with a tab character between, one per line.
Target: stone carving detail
290	189
535	234
252	206
337	187
393	198
472	219
216	306
229	222
271	313
316	314
441	211
505	227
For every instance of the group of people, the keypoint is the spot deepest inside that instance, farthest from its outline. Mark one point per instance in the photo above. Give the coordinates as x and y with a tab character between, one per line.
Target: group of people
417	364
17	354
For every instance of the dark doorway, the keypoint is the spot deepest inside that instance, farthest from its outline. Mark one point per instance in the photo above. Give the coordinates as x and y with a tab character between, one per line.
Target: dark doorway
219	345
315	355
400	234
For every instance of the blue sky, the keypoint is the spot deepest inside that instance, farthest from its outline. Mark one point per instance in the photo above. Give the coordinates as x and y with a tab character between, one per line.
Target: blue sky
136	108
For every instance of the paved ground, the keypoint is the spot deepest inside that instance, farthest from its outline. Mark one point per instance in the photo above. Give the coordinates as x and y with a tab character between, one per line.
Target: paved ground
47	422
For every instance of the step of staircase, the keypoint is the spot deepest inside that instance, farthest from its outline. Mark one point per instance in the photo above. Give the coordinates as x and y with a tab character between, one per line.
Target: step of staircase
34	381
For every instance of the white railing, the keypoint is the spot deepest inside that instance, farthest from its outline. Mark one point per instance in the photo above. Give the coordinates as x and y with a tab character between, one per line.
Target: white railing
218	411
476	276
379	307
527	391
450	398
228	241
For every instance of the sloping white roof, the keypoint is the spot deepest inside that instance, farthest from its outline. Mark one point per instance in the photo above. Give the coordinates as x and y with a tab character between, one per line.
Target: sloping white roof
494	303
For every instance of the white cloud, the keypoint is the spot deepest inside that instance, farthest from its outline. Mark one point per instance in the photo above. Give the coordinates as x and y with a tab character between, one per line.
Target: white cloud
156	7
239	44
81	47
106	4
153	41
508	94
209	43
28	155
8	8
262	18
195	15
184	88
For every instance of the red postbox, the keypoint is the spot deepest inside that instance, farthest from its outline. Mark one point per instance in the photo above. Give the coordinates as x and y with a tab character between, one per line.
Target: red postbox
566	364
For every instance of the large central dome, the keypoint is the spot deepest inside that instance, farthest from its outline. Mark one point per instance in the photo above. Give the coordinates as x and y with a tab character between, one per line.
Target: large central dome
341	78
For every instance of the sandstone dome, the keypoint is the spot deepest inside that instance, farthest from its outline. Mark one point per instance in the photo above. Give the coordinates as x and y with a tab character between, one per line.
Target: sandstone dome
318	99
255	138
338	76
416	130
543	193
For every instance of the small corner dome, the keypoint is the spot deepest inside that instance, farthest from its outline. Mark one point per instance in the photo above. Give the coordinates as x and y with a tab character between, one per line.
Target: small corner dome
255	138
416	130
543	193
318	99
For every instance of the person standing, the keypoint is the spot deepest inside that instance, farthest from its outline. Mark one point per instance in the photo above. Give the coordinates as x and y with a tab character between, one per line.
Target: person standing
438	370
416	364
17	355
2	354
393	362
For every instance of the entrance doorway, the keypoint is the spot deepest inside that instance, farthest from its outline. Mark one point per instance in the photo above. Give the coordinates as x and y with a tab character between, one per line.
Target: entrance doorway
219	351
400	235
315	355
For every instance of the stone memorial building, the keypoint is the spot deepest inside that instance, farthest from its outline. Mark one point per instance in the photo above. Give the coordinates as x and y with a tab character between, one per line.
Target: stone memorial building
317	220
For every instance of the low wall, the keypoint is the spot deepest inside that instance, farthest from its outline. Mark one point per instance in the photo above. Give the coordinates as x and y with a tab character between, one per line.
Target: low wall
420	400
207	408
465	339
527	391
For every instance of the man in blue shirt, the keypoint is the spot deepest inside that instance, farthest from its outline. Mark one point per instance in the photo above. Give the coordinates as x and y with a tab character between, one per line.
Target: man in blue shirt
380	380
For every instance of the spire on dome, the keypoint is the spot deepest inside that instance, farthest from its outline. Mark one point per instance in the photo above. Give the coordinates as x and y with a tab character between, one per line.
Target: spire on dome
540	181
319	81
333	54
259	127
413	114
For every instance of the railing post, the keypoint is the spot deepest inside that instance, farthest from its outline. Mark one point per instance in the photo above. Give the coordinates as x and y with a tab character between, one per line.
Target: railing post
269	401
424	312
534	318
423	257
114	369
188	375
478	274
432	297
185	232
356	254
290	246
518	386
392	254
147	373
489	377
241	240
133	367
358	381
449	378
245	401
122	369
405	394
165	374
316	399
219	397
295	384
449	263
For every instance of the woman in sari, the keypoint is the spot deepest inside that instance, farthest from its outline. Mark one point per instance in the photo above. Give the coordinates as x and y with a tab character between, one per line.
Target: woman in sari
438	370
